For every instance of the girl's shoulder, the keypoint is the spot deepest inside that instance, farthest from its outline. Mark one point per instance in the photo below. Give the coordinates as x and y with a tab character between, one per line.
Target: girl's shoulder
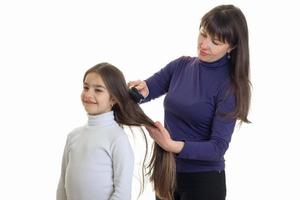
75	132
115	132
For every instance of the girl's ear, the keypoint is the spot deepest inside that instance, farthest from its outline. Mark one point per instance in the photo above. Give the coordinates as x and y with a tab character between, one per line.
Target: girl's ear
112	101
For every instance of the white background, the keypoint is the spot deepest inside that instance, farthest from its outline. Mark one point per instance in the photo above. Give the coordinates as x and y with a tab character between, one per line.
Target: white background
46	46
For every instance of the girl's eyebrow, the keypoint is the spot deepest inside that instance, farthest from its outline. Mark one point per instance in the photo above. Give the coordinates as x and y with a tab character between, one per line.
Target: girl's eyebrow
99	86
95	86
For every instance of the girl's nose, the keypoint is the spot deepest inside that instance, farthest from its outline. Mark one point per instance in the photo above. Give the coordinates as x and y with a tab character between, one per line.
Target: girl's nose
88	94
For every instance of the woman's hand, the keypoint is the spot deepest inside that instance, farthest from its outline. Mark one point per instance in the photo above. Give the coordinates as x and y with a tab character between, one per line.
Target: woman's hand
162	137
141	86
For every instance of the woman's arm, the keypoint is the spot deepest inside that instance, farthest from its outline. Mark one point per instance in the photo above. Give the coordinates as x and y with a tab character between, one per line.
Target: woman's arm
162	137
212	149
158	84
221	131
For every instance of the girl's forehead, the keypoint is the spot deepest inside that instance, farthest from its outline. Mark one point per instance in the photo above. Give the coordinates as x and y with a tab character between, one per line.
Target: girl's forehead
93	76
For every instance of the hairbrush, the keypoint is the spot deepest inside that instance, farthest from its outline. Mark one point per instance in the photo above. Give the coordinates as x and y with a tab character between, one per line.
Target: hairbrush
135	95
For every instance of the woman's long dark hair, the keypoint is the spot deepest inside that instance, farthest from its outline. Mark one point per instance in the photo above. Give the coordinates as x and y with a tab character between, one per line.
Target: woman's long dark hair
126	110
228	24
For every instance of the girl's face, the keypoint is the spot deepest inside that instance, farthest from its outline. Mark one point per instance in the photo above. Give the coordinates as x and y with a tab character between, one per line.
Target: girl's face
210	49
95	97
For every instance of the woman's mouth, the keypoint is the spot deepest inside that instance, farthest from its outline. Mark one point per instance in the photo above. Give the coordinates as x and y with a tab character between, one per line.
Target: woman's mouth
203	53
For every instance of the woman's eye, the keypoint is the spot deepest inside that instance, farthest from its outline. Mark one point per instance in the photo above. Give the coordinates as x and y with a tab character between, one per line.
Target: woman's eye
203	35
216	42
97	90
85	88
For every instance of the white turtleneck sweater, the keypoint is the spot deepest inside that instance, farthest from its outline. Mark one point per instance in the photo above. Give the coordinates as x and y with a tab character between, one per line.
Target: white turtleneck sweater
97	162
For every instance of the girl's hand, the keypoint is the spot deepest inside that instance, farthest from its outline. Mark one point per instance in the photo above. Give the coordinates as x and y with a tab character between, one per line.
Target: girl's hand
141	86
162	137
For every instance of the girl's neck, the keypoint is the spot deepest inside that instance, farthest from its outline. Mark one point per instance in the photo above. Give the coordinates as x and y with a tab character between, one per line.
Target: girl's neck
102	119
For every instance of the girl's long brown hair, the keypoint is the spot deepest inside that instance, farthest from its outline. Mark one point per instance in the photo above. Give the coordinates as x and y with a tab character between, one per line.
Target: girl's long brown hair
128	112
162	170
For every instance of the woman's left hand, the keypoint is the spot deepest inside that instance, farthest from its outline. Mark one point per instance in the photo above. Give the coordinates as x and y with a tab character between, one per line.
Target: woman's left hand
162	137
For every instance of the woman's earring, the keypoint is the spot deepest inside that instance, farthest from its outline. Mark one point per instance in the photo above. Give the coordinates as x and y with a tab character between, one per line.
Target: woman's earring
228	55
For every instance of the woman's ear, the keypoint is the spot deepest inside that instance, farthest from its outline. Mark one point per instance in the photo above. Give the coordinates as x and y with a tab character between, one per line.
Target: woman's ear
230	49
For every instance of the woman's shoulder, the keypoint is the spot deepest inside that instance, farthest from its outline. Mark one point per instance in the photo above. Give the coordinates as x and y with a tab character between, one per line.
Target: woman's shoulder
183	60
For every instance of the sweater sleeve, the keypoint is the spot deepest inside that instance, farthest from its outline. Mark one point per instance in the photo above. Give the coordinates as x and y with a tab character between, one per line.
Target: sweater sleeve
221	132
158	84
61	191
123	164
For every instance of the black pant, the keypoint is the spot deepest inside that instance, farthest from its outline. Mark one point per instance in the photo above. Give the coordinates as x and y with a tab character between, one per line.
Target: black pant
200	186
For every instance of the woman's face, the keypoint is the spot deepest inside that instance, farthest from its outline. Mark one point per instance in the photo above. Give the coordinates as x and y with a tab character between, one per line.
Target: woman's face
95	97
210	49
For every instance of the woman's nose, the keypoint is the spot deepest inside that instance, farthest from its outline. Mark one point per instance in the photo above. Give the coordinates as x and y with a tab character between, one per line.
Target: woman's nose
204	43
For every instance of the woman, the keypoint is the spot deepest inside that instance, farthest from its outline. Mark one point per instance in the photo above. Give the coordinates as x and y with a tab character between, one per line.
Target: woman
205	96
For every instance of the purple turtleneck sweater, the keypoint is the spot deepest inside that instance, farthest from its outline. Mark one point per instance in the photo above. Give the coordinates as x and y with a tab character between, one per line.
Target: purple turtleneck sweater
196	92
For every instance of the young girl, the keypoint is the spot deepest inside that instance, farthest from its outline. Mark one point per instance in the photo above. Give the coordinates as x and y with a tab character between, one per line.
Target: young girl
98	159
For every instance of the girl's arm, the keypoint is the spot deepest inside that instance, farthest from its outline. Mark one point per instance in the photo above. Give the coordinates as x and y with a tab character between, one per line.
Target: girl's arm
123	165
61	191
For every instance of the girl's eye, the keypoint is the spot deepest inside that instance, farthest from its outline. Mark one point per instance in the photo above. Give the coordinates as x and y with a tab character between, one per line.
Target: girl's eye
97	90
85	88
